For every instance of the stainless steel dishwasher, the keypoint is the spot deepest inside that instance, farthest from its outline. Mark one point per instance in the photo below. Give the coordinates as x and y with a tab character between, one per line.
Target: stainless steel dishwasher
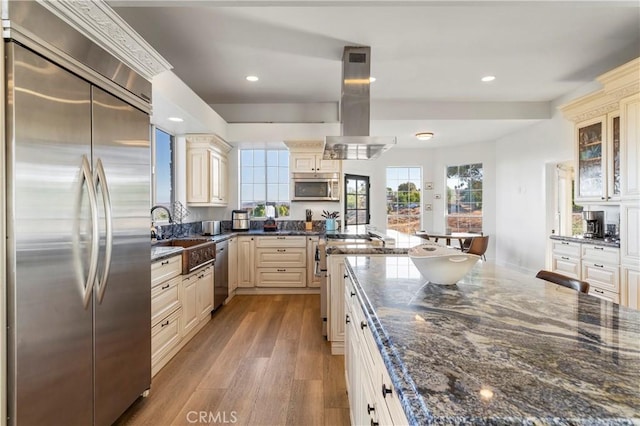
221	274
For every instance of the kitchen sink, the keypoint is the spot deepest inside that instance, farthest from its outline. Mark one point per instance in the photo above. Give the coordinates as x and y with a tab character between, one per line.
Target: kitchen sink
196	253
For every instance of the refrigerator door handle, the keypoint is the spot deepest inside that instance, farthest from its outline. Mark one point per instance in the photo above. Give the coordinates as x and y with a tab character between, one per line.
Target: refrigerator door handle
101	181
86	285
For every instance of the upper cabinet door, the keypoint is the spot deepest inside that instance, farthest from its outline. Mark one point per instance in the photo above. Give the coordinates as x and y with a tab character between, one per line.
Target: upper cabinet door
591	181
303	163
630	147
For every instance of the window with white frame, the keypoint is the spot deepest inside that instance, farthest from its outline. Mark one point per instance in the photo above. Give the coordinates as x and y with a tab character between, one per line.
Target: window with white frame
404	199
162	176
264	178
464	198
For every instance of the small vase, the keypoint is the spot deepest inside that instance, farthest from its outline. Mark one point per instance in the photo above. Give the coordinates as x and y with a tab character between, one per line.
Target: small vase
308	226
330	225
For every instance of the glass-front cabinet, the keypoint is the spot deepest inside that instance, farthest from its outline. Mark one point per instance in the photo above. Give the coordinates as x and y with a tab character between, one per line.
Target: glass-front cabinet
598	159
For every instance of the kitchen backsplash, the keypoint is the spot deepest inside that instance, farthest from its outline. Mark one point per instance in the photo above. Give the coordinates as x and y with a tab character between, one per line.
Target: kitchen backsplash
195	228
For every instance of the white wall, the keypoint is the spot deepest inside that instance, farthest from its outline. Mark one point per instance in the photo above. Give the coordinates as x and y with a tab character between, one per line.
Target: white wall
522	199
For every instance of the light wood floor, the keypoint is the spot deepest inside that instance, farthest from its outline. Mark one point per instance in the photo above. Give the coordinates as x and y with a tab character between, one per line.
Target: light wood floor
261	360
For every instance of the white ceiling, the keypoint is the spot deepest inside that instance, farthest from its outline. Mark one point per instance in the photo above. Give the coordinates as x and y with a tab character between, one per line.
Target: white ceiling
427	56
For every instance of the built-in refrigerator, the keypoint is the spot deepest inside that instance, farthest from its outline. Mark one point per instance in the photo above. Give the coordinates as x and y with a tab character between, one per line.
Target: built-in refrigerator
77	212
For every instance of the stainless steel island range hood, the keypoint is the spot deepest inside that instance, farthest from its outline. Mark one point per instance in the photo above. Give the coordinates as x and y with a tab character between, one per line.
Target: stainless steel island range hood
355	142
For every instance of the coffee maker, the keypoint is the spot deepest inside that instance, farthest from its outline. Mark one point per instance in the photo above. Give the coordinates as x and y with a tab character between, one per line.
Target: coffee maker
594	224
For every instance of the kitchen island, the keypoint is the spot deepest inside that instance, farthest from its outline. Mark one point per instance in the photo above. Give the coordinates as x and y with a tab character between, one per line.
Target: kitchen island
499	347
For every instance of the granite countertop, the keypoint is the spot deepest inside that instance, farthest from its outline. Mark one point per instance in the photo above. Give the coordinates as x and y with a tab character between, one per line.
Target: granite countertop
161	252
582	240
500	347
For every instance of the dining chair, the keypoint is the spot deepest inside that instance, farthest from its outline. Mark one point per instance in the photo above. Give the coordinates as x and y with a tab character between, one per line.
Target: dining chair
478	246
563	280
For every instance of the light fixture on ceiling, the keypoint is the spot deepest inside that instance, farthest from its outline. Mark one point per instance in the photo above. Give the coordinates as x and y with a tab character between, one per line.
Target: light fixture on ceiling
424	136
176	119
488	78
252	78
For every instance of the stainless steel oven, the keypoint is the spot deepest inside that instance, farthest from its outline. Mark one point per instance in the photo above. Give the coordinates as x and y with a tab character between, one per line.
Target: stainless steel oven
315	187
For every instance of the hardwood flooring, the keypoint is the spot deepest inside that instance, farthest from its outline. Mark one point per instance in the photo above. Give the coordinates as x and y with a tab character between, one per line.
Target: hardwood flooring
261	360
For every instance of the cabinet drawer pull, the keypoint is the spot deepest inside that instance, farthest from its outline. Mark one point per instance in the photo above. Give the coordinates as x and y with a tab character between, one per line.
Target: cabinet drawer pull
345	276
363	324
281	270
385	391
347	320
281	250
164	287
281	238
370	409
166	262
564	243
598	266
598	291
564	258
352	293
598	248
374	423
164	323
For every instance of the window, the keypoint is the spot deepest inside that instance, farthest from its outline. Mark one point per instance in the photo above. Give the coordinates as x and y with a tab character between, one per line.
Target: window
264	178
162	176
464	198
404	199
356	202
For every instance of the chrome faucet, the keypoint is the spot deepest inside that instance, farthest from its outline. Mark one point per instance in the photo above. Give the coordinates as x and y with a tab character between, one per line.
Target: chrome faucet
163	208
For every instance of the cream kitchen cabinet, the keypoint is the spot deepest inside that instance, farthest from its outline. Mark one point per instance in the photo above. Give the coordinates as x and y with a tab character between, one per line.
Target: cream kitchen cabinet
207	170
372	397
246	261
312	279
189	304
601	269
281	261
233	266
197	301
204	289
631	286
565	258
166	312
607	155
335	305
306	162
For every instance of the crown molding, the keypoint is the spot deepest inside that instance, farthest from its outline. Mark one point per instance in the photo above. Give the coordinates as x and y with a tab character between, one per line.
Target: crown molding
315	146
208	140
98	22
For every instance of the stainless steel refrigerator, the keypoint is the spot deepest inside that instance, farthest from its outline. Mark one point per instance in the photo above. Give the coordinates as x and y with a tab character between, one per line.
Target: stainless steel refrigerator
78	266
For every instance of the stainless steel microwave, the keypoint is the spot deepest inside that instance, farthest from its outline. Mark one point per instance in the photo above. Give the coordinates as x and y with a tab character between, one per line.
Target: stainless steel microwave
315	187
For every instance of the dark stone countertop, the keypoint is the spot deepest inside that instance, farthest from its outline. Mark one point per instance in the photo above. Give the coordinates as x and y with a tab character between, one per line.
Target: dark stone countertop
540	353
159	252
582	240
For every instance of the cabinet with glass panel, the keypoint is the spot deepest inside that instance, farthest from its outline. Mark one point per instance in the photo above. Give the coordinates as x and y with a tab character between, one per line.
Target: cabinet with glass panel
598	159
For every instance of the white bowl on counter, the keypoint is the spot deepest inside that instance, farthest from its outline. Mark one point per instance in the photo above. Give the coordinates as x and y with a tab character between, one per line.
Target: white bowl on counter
441	265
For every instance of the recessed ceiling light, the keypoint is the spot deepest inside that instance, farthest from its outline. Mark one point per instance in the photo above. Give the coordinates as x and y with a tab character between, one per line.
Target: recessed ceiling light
252	78
488	78
372	79
424	136
176	119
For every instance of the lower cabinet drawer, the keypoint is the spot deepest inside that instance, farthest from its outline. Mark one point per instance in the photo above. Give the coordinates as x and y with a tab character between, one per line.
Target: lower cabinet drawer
281	257
602	276
566	265
604	294
165	336
281	277
165	298
163	270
